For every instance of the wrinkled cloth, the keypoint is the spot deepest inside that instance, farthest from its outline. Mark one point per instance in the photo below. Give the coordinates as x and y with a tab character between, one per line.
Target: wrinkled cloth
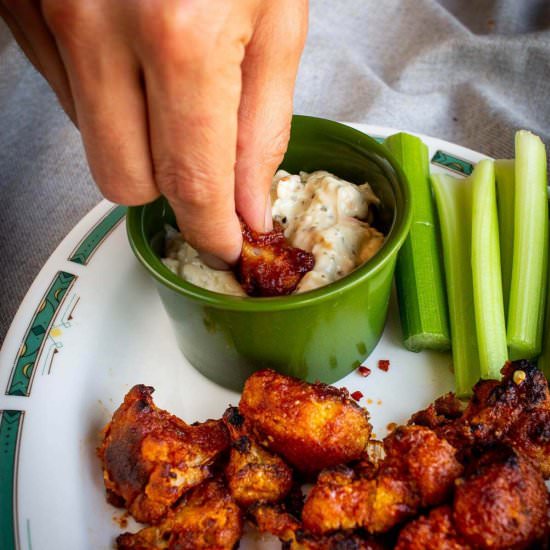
470	71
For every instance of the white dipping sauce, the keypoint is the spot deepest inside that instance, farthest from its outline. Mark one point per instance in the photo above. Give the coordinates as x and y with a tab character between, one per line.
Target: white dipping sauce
319	212
184	260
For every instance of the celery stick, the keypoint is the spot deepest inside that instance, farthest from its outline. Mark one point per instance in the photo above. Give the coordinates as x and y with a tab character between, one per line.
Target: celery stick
486	272
453	200
504	174
544	359
528	283
418	274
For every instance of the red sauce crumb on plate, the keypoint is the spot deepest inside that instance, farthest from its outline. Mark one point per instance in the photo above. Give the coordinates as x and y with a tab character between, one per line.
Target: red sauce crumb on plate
384	365
364	371
357	395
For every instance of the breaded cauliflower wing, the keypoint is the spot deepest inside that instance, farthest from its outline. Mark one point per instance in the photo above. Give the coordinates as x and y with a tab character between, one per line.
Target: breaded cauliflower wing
269	265
312	426
514	410
207	519
274	520
435	531
151	458
419	470
502	501
253	473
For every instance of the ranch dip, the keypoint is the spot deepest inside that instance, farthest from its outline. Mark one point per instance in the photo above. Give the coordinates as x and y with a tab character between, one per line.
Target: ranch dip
319	212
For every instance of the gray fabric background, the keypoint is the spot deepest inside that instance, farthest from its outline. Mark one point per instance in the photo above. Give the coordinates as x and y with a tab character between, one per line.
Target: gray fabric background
470	71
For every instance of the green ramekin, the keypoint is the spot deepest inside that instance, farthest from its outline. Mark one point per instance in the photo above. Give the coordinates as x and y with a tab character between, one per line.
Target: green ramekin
318	335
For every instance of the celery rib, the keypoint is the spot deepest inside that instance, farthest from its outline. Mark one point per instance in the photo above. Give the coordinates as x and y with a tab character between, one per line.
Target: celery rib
505	180
453	200
544	359
530	259
418	275
486	272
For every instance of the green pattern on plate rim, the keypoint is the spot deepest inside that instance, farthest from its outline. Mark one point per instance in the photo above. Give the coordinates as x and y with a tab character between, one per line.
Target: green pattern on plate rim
39	329
10	428
99	232
55	333
455	164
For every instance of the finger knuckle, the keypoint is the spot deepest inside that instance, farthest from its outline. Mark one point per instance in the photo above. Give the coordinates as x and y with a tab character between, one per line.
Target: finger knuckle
272	158
72	22
190	188
63	16
273	151
173	34
279	144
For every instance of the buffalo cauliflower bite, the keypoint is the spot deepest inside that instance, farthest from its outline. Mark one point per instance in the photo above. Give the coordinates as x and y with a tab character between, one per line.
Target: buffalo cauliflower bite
435	531
253	473
151	458
269	265
207	519
312	426
275	520
502	501
419	470
514	410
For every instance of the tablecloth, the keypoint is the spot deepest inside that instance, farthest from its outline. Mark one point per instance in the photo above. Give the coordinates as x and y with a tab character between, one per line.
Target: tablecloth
470	71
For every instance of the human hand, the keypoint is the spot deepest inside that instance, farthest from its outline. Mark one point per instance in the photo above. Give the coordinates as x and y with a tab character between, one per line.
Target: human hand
188	98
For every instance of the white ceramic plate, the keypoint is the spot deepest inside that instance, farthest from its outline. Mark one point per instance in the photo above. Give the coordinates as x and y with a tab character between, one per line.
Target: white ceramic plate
92	326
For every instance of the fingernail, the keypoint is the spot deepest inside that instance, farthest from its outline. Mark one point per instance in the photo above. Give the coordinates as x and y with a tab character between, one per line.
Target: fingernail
213	261
268	220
